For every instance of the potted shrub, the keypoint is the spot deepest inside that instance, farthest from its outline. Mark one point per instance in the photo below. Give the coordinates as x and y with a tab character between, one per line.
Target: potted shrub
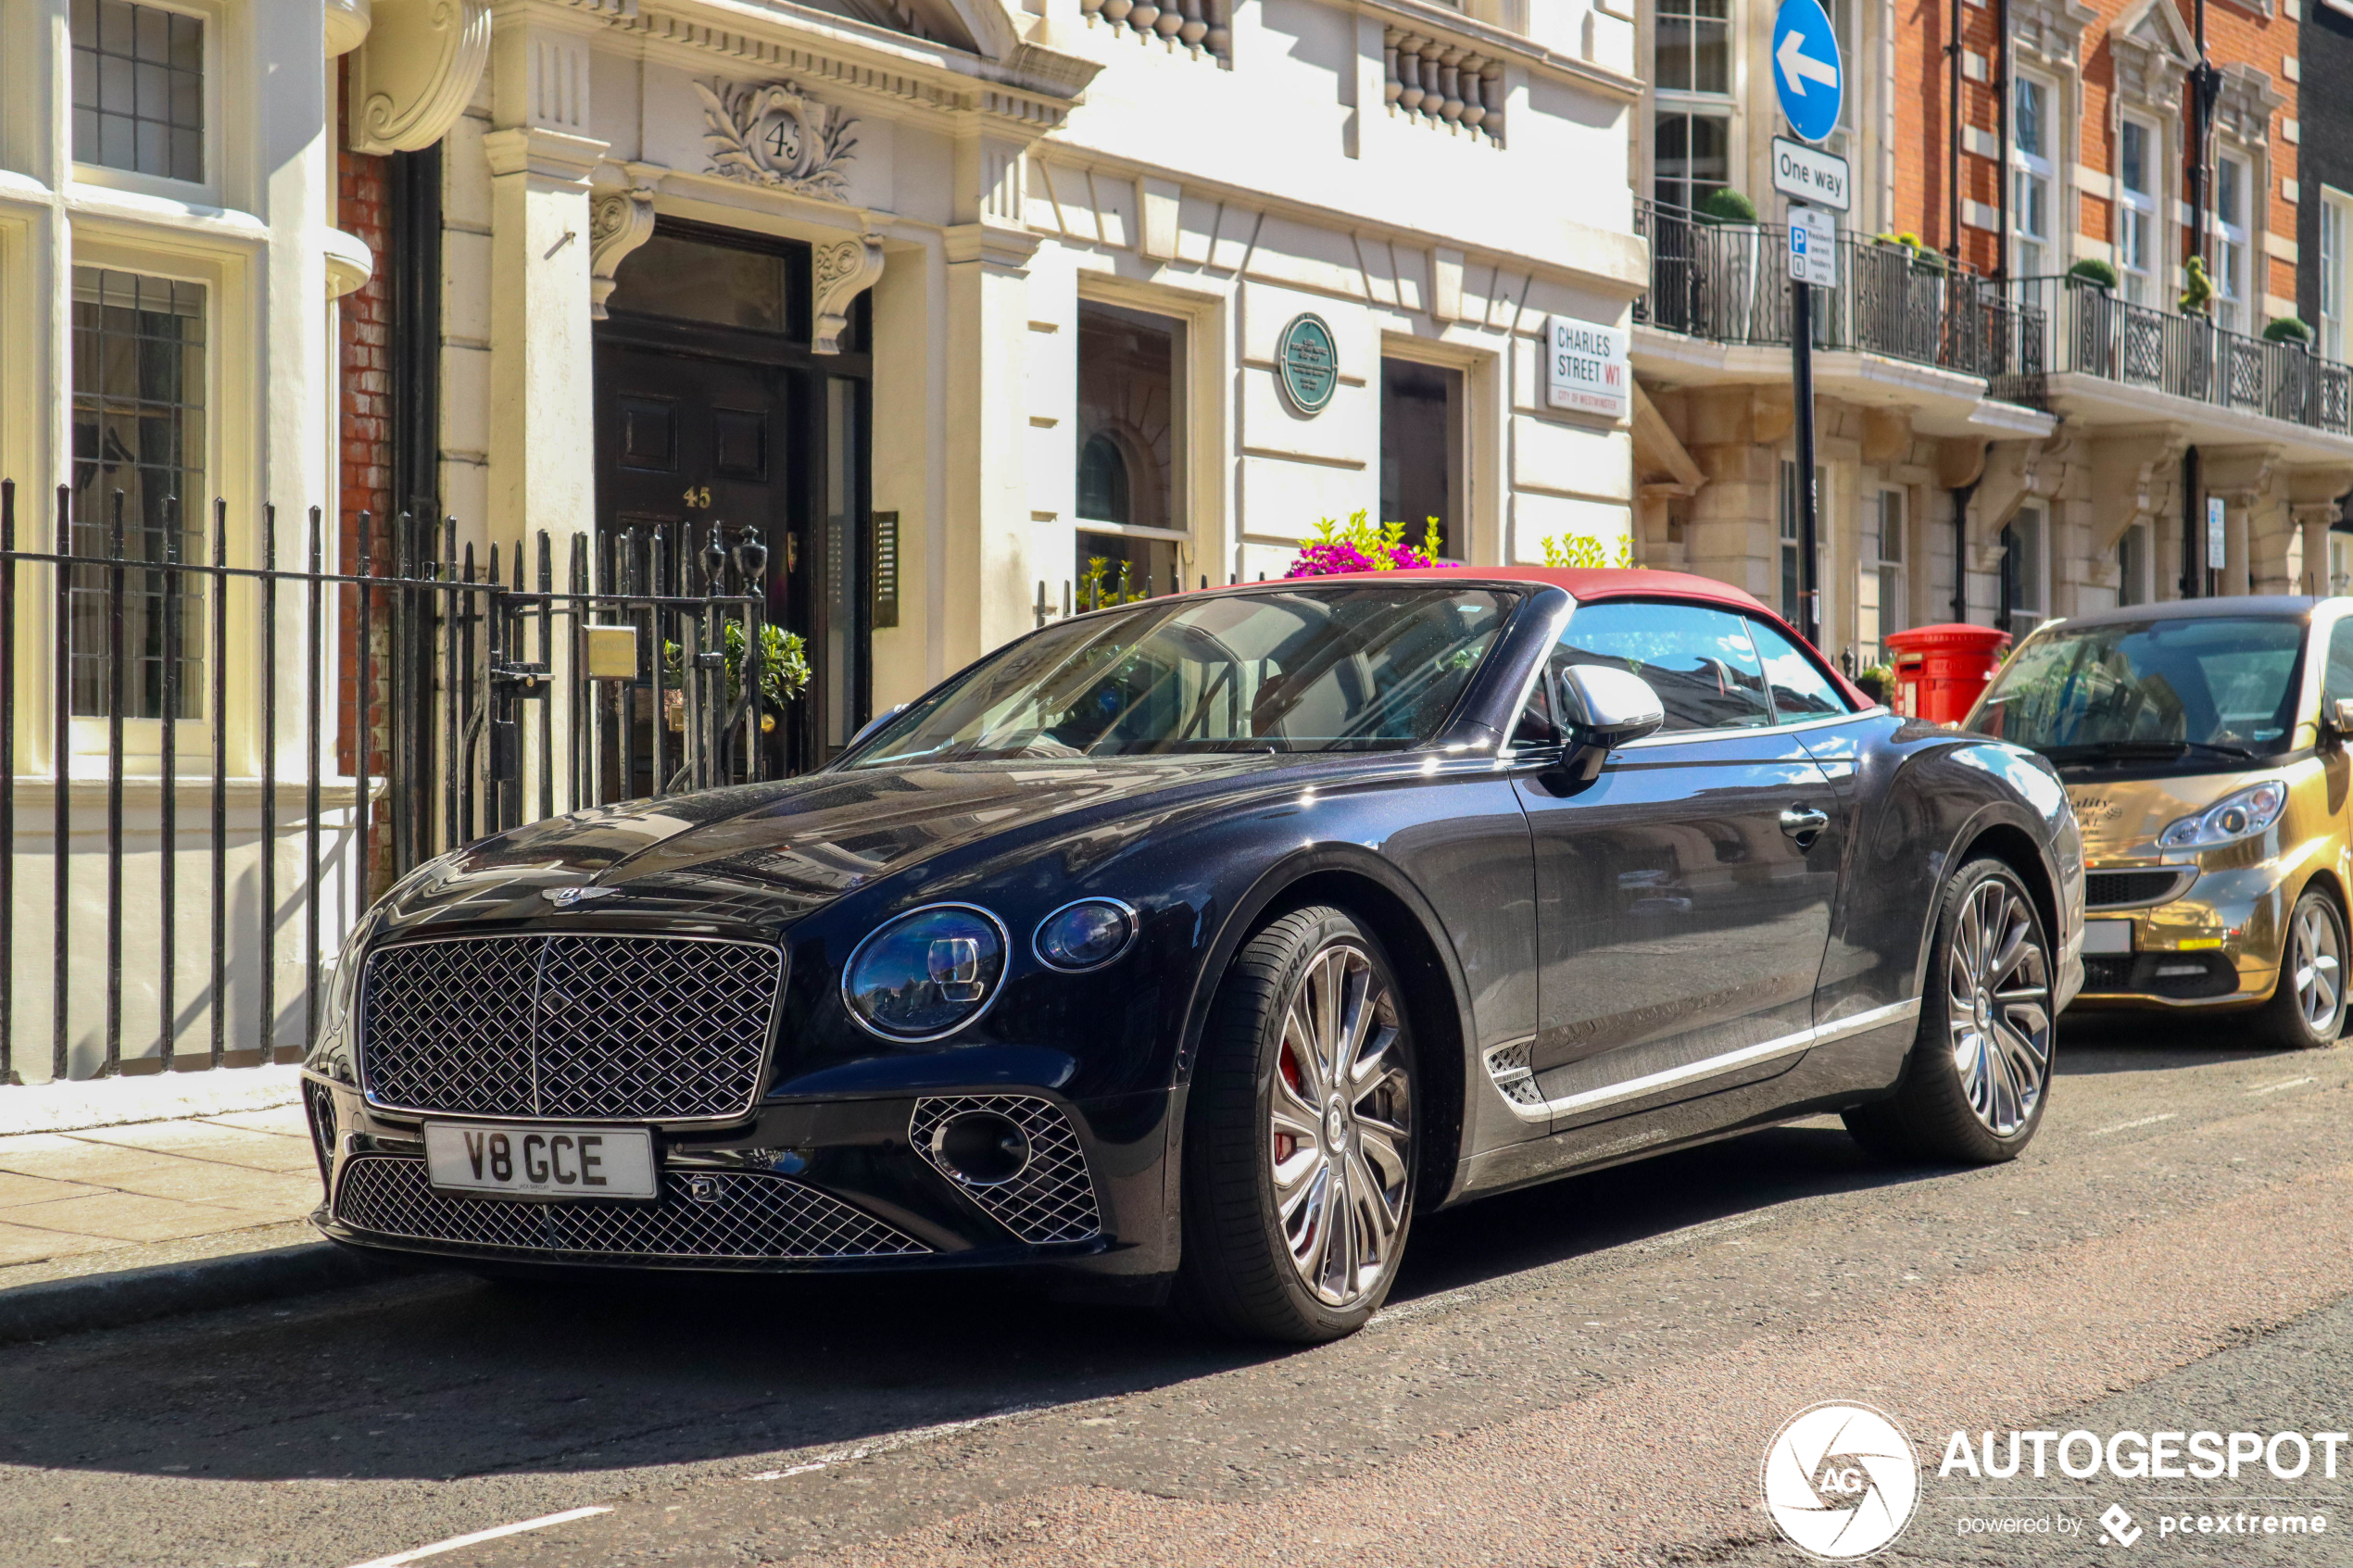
2094	273
2288	328
1337	549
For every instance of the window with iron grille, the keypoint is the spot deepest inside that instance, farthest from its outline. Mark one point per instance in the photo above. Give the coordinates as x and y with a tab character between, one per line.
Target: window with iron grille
138	432
138	87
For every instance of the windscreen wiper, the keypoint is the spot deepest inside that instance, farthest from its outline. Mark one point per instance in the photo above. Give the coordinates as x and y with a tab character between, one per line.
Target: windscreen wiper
2139	751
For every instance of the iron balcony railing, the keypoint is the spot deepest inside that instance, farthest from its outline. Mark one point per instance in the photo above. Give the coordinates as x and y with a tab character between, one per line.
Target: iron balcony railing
1728	283
2068	325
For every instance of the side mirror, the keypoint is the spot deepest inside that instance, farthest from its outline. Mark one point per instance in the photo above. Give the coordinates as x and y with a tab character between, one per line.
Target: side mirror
1607	709
2337	719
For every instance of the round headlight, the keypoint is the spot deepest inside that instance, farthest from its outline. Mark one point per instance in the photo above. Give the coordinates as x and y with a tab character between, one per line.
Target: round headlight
1087	934
928	973
2233	817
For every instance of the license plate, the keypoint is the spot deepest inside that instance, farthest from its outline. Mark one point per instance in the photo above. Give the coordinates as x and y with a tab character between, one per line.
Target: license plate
2103	938
538	1161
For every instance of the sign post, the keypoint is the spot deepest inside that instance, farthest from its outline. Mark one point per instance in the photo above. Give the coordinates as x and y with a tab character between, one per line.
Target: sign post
1811	81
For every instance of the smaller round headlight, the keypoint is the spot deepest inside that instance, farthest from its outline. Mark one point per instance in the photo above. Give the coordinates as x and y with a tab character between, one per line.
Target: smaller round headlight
926	973
1087	934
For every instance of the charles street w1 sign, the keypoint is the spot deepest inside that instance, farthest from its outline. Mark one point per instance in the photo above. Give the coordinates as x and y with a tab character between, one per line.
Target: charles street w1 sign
1815	178
1806	71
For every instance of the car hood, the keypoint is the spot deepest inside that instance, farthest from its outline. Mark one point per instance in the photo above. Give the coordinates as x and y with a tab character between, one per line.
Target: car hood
768	855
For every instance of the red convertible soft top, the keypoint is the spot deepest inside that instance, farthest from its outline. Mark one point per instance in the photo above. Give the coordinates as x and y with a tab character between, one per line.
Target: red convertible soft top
1587	584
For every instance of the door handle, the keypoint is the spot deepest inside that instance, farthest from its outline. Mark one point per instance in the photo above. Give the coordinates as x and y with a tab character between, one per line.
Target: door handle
1805	823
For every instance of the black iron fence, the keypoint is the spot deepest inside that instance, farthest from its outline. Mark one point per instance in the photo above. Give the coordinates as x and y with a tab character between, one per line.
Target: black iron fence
2070	325
1728	283
246	752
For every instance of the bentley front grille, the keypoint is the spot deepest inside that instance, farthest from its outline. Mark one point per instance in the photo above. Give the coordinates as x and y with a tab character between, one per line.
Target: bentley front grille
741	1216
581	1028
1051	1197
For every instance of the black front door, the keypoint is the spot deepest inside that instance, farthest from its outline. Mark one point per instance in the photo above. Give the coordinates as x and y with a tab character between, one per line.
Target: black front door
714	412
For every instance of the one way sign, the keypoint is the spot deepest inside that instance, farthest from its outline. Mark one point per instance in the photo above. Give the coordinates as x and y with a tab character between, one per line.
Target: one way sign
1807	74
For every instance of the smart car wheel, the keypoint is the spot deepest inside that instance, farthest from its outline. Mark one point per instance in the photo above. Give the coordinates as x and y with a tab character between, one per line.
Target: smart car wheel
1298	1139
2307	1010
1980	1072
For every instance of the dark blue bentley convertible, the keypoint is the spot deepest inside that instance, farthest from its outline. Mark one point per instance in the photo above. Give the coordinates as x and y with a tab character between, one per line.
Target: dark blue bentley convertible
1191	947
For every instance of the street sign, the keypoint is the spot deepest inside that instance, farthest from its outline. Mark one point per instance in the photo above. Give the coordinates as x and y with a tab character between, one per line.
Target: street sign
2218	535
1808	73
1585	367
1817	179
1813	247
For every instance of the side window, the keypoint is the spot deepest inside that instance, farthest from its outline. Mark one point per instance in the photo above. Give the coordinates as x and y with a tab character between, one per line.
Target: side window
2339	680
1799	689
1699	661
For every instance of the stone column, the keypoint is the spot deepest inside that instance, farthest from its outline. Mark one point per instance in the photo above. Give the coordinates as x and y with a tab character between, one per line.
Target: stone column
986	569
542	443
542	439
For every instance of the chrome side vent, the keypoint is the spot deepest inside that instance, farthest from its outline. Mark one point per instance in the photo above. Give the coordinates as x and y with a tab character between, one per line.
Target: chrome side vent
1513	1078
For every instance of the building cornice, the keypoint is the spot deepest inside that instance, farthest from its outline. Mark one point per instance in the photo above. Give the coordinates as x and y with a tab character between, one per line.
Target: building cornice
1032	86
1627	277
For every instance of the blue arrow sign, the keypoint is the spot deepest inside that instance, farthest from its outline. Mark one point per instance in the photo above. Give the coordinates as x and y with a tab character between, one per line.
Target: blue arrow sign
1808	73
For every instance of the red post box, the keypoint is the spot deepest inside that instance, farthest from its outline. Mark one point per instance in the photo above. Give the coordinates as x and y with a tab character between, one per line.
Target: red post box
1940	670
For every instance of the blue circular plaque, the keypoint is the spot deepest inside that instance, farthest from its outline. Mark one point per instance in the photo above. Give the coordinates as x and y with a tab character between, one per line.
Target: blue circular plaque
1307	363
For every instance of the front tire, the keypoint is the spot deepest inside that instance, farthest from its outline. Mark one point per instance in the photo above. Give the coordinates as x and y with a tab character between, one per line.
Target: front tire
2307	1009
1980	1072
1300	1154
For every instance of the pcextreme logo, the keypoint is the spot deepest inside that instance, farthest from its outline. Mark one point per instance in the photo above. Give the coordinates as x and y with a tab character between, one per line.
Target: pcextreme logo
1841	1481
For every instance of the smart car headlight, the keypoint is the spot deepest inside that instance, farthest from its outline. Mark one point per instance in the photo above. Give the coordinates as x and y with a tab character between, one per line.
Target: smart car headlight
1087	934
926	973
2238	815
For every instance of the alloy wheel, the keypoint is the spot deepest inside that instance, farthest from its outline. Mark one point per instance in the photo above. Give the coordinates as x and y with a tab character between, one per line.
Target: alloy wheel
2318	965
1341	1140
1997	994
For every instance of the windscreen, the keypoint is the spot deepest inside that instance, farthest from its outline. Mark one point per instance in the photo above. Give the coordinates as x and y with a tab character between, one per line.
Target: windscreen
2197	688
1365	667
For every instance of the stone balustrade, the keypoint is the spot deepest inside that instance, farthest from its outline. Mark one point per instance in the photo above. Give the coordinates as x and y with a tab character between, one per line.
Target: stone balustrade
1197	26
1443	84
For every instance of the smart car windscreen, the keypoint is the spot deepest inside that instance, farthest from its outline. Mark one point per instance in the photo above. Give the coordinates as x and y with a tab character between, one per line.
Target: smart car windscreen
1365	667
2196	689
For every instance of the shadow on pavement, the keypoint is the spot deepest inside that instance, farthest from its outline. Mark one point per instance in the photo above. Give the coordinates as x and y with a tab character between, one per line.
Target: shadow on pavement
445	1377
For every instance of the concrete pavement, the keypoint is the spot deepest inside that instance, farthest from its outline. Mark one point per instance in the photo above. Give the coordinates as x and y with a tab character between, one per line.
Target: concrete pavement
1586	1371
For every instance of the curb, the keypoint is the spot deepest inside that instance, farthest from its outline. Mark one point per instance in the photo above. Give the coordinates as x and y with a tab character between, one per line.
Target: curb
114	1300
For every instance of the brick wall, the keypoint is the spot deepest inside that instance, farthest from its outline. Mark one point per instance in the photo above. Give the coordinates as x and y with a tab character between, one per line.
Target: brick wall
363	438
2236	34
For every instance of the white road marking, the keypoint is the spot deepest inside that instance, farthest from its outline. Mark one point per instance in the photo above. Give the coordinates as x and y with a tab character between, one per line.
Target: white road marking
897	1440
2127	1126
2283	1084
398	1558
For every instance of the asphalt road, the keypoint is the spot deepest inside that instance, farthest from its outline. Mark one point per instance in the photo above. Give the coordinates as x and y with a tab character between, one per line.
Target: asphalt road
1586	1372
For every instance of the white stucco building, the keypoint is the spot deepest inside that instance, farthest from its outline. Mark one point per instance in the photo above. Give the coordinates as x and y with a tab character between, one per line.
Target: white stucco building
1005	288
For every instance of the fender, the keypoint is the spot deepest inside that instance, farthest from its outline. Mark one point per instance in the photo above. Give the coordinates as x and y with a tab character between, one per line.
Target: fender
1250	908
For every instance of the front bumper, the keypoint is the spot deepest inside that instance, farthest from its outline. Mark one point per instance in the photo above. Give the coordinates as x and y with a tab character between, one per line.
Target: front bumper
2215	945
842	1184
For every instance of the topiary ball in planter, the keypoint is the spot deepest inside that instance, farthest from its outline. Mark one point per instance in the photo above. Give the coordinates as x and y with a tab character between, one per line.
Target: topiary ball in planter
1727	206
2287	328
2092	271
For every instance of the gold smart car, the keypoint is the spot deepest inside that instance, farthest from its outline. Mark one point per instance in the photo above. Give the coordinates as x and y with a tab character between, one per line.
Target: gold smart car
2204	745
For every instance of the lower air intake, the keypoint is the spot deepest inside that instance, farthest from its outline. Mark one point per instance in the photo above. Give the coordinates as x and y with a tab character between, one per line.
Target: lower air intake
1051	1198
742	1216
